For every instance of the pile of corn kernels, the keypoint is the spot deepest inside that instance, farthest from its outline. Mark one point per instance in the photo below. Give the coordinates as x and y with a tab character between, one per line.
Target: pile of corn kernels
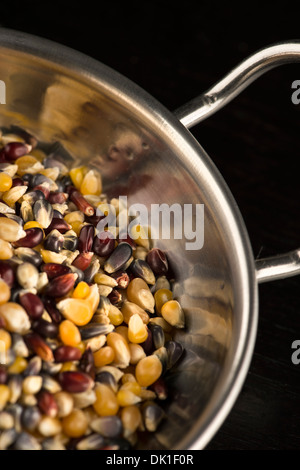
86	317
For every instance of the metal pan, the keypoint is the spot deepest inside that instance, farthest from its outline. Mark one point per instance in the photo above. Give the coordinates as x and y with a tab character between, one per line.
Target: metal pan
148	154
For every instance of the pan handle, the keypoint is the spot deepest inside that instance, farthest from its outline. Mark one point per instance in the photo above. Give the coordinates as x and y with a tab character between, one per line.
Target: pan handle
203	106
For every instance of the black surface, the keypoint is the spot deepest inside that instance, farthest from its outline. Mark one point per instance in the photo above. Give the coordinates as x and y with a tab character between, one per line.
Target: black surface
175	51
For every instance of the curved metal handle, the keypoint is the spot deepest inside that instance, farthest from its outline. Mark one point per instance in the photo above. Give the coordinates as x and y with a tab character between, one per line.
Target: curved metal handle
198	109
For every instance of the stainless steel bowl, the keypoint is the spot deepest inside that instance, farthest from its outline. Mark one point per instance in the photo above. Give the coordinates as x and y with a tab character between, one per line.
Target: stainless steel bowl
148	154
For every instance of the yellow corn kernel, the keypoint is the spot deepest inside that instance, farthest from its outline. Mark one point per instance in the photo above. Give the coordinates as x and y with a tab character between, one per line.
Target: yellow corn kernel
75	216
75	424
32	224
173	314
148	370
129	308
133	387
137	330
18	366
76	226
106	403
79	311
77	175
81	291
115	315
6	251
5	340
69	333
81	346
131	418
104	356
93	298
128	377
91	183
162	296
4	395
5	182
24	163
50	256
68	366
4	292
121	349
126	398
123	331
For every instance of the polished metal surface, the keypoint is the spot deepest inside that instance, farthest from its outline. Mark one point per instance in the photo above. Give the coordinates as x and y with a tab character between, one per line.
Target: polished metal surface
145	153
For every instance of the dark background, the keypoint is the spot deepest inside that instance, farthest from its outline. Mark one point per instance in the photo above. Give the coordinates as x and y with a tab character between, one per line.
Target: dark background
176	50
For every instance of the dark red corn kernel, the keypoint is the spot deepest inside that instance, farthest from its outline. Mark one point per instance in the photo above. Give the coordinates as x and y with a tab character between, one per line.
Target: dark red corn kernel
75	381
58	224
54	270
157	261
83	261
147	345
67	354
86	363
60	285
54	313
34	236
15	150
47	404
3	157
80	202
44	189
18	182
57	197
160	388
86	238
7	273
57	214
32	304
94	219
39	346
104	244
122	279
45	328
3	375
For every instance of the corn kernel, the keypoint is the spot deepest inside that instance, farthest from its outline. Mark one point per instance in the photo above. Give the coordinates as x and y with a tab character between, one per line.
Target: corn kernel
162	296
133	387
75	216
6	251
126	398
24	163
137	330
38	154
5	340
18	366
81	291
69	333
5	182
104	356
115	315
136	353
67	366
121	349
123	331
131	418
4	395
4	292
32	224
93	298
173	314
91	183
75	424
77	174
76	226
148	370
79	311
106	403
